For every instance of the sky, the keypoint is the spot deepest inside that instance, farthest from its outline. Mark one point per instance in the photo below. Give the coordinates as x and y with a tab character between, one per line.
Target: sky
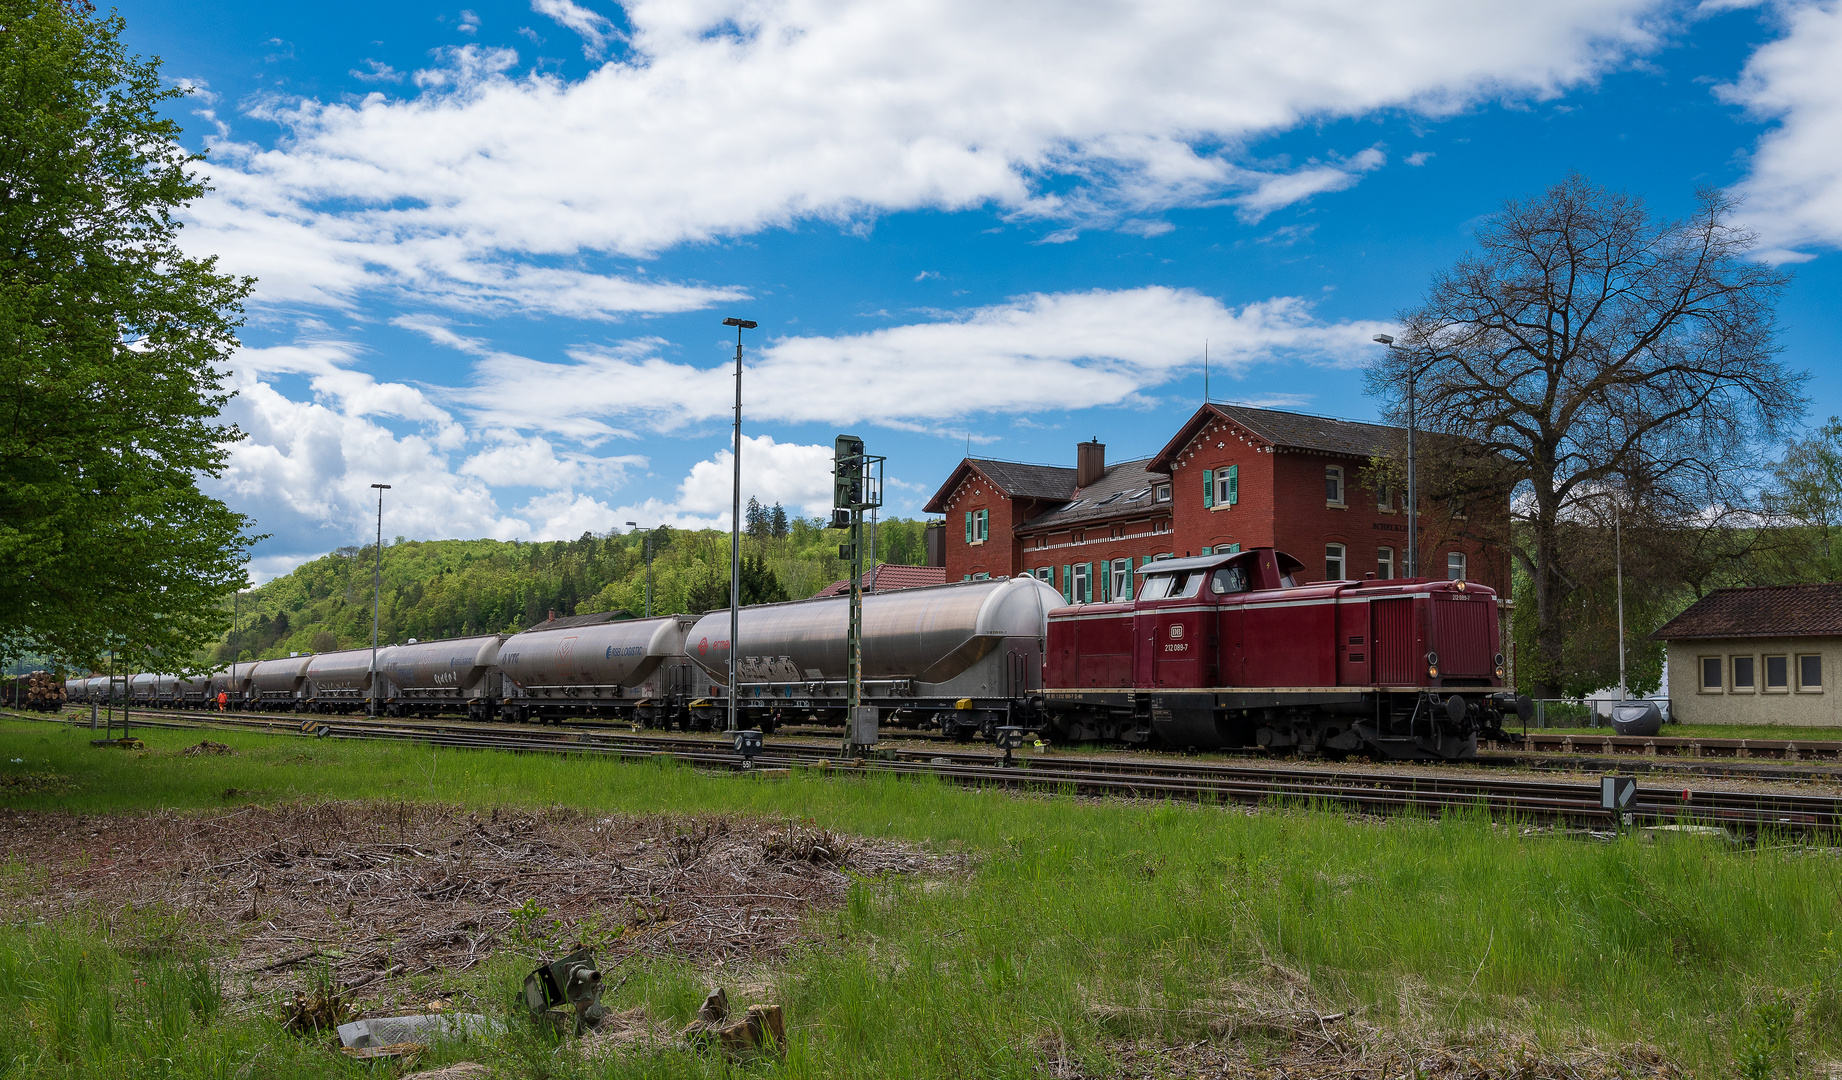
495	245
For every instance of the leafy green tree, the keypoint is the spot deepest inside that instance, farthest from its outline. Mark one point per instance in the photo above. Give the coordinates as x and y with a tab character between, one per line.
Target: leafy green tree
1806	495
109	337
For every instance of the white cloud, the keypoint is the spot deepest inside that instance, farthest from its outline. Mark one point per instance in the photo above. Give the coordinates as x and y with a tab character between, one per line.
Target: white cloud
1044	351
1793	196
725	117
595	29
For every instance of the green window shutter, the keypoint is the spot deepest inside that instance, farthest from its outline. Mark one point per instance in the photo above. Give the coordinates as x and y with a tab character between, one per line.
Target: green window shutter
1208	487
1068	584
1234	549
968	526
1208	551
1144	560
984	524
1234	484
1127	595
1106	573
1090	583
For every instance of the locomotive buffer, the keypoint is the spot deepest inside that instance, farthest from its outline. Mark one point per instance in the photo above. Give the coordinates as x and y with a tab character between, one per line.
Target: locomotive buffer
857	485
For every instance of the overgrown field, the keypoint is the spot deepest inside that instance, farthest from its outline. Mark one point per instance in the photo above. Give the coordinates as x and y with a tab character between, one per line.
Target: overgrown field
1081	939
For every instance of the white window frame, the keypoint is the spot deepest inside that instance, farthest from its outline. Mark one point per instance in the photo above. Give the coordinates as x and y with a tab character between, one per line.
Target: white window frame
1046	573
1122	579
1160	493
1336	561
1766	686
1701	675
1384	563
1334	474
1456	560
981	526
1384	498
1079	586
1798	673
1733	674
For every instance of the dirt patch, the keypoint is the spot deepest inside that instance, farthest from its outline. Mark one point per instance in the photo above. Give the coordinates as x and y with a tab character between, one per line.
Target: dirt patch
206	747
377	890
1358	1054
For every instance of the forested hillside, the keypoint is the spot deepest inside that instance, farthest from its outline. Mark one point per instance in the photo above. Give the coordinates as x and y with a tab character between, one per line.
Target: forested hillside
446	588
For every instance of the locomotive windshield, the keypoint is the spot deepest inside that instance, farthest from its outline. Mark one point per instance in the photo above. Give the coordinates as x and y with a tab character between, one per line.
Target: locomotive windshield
1169	586
1229	579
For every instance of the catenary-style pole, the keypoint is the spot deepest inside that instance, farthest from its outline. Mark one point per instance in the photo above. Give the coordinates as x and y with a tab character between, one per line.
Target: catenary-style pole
377	586
735	529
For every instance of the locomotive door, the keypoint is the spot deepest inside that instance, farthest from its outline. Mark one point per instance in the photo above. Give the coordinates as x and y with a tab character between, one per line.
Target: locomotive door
1229	620
1182	647
1353	643
1393	646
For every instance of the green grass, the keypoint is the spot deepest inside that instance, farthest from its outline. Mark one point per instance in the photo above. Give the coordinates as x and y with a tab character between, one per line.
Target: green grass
1084	922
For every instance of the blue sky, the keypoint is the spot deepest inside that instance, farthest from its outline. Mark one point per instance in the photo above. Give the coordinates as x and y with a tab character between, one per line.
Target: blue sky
496	243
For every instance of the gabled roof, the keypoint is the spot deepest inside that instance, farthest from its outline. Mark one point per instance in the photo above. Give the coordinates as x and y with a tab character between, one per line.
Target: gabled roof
1124	489
1808	610
571	622
887	578
1300	431
1013	478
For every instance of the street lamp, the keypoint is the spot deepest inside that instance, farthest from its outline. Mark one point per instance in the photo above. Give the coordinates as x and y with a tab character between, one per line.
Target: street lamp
1618	556
635	524
377	587
735	526
1413	491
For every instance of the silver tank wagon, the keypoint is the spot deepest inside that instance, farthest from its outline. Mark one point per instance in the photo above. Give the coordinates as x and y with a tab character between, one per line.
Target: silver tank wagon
276	684
340	681
450	675
76	690
141	688
962	657
634	669
166	690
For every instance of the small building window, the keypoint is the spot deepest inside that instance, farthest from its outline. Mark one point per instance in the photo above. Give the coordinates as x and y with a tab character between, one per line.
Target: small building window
1163	493
1122	579
1384	498
1046	573
1455	566
981	576
1333	485
1079	536
1743	674
1384	562
1083	590
1711	675
1810	673
1777	673
1333	562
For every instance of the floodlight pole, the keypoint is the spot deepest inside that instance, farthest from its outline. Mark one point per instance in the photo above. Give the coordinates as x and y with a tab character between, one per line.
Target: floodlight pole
377	588
1413	488
1618	563
648	549
735	528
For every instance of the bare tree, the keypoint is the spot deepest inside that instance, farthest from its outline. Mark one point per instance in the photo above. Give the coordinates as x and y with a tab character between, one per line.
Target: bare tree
1591	349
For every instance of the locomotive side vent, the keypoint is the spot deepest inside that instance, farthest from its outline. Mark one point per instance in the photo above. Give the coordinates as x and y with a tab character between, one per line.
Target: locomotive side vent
1394	648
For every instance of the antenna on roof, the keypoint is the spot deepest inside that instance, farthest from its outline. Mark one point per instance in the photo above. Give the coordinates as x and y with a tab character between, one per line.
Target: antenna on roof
1205	370
968	444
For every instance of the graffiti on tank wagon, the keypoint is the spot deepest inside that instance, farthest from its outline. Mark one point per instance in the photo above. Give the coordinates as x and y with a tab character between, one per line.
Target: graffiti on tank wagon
767	669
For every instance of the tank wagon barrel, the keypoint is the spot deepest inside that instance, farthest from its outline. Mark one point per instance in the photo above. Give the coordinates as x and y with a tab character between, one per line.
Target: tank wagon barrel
339	681
633	668
277	684
426	677
963	656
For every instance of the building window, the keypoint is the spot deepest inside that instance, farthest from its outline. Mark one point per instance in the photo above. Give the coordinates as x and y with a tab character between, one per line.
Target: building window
1079	536
1224	486
1046	573
978	526
1122	579
1083	587
1742	675
981	576
1455	566
1384	498
1384	562
1161	493
1333	485
1711	675
1777	674
1333	562
1162	525
1810	673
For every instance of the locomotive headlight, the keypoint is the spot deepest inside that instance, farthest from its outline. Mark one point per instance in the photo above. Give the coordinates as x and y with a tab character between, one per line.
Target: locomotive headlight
1432	673
1459	584
1499	674
1432	659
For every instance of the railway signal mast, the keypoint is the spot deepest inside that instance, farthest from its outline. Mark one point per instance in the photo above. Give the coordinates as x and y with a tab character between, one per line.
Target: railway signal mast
857	485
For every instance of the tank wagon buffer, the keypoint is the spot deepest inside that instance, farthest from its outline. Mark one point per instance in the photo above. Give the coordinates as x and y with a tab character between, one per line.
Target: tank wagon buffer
1227	651
632	669
965	657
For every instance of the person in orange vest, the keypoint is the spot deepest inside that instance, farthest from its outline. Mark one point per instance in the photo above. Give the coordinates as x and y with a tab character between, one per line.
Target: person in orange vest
223	700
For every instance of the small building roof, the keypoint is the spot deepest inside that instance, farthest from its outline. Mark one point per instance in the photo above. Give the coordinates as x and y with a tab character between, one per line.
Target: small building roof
1299	431
888	578
1807	610
571	622
1014	478
1124	489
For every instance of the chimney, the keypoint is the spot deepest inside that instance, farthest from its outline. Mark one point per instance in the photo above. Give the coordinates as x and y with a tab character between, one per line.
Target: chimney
552	617
1090	462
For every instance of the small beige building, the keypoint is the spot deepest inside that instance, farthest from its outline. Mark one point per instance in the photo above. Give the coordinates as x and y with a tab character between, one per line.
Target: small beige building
1764	655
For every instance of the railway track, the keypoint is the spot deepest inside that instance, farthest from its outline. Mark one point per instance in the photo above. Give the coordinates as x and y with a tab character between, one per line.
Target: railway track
1417	790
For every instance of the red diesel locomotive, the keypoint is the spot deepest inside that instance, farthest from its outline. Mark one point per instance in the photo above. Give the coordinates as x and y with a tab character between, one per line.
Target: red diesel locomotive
1228	650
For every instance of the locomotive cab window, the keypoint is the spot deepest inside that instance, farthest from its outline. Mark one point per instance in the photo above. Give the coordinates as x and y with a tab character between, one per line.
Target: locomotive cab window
1228	579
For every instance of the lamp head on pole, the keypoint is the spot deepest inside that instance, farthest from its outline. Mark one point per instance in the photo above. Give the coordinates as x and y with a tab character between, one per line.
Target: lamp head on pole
1384	339
381	487
746	324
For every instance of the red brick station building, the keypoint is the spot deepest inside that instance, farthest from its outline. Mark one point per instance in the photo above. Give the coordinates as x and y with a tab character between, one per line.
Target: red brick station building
1234	477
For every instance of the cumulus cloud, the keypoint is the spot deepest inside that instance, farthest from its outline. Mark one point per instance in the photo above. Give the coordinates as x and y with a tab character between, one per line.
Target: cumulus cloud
595	29
1793	195
1043	351
724	117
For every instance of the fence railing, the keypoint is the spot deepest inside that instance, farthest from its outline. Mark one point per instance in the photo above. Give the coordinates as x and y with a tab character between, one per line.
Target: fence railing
1580	712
